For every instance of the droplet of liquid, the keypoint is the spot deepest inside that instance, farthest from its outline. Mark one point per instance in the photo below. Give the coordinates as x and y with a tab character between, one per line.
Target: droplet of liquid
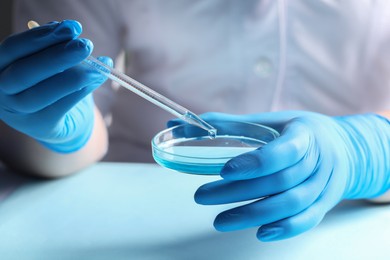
212	133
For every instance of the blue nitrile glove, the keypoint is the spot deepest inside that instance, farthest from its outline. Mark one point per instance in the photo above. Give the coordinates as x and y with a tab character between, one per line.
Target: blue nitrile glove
44	90
297	178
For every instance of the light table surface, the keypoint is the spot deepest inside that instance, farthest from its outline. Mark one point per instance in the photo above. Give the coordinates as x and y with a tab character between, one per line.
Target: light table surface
142	211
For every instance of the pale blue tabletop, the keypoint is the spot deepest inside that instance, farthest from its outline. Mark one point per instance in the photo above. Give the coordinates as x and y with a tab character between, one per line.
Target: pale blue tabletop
142	211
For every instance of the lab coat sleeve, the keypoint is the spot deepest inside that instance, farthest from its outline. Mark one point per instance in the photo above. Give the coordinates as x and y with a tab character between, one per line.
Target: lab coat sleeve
100	22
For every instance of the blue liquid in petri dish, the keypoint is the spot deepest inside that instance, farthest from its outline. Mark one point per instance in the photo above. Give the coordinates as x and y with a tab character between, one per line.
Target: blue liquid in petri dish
200	160
189	149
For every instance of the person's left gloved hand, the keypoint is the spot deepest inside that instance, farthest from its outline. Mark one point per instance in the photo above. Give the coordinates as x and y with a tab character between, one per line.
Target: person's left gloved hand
297	178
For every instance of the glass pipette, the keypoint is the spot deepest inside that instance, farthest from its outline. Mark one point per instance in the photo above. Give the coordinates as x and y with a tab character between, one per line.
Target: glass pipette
145	92
150	95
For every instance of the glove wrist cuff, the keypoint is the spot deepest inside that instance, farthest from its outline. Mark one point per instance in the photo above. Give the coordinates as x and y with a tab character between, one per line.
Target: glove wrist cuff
70	145
368	136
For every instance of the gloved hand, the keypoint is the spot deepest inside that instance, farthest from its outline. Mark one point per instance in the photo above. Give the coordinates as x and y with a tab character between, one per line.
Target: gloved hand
297	178
44	90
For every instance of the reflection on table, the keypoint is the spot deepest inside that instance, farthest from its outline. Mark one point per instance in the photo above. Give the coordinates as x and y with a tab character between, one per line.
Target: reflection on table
142	211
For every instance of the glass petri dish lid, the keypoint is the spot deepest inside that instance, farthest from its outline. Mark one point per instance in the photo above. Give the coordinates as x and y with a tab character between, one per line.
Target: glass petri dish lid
189	149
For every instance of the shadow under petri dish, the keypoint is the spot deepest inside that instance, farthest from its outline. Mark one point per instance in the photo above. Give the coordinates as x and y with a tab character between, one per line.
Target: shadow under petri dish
189	149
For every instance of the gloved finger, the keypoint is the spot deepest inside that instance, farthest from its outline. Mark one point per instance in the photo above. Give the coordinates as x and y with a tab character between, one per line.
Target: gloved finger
275	156
62	106
275	120
31	41
31	70
225	191
54	88
307	219
277	207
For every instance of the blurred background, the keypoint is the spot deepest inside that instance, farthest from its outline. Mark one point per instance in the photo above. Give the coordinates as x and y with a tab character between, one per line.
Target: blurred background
5	18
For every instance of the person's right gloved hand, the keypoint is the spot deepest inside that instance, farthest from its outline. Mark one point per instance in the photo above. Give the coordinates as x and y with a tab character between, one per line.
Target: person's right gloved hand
45	91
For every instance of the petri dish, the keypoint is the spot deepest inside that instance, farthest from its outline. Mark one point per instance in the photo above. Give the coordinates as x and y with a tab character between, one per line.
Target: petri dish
189	149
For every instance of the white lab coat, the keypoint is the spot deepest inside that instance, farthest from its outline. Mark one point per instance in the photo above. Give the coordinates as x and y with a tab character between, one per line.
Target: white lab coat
248	56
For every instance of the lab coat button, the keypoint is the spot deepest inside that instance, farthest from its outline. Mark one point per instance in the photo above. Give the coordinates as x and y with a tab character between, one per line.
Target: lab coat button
263	67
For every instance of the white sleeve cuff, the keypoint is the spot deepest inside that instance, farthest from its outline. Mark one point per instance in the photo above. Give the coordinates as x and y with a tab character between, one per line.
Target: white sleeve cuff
384	198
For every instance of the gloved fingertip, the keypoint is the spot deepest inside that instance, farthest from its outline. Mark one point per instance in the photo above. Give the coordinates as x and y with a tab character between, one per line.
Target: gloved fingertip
87	43
78	27
75	25
232	170
106	60
228	170
68	28
230	220
219	223
219	228
200	196
83	45
269	234
244	166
